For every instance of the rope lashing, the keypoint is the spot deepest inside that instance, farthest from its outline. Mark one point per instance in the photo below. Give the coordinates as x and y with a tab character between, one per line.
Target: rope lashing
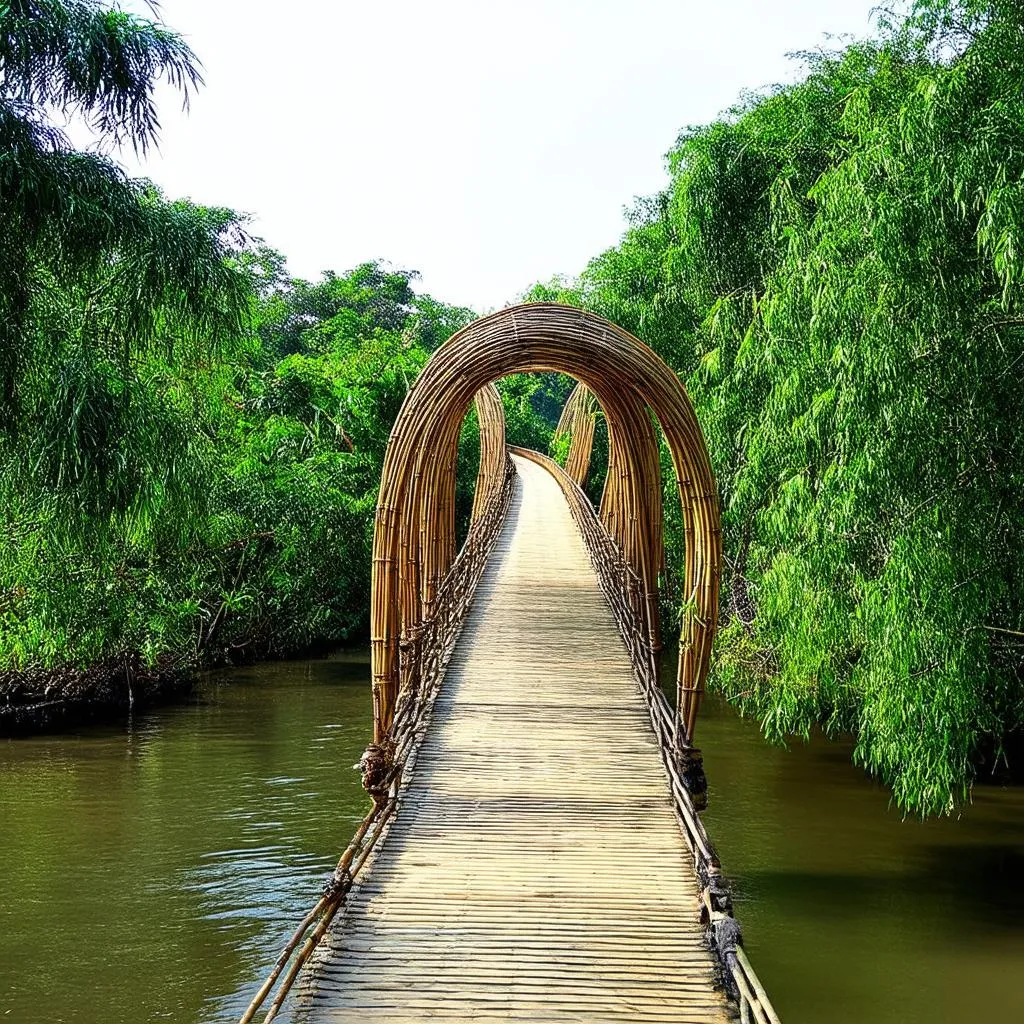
377	765
691	767
338	884
728	936
716	897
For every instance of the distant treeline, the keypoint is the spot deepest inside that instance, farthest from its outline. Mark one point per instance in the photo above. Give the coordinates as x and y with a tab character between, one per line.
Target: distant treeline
835	270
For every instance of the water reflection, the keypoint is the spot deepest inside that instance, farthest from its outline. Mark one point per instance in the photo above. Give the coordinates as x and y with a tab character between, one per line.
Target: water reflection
151	873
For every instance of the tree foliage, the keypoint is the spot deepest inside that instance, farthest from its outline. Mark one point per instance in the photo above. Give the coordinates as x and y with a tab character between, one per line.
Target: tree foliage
281	440
835	268
190	441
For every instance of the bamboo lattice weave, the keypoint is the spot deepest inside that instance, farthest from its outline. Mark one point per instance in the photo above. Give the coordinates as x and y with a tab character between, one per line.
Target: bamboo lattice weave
535	870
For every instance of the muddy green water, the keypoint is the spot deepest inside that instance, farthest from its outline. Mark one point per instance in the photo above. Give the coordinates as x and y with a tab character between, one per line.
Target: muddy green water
150	872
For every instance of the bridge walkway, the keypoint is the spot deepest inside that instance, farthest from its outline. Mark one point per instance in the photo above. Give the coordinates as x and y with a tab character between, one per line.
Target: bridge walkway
535	870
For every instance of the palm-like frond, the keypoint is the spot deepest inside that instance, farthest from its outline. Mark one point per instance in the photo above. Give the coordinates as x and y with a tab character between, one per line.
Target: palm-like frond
81	57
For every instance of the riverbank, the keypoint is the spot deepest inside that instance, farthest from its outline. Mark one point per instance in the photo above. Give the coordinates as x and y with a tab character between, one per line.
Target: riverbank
45	700
39	700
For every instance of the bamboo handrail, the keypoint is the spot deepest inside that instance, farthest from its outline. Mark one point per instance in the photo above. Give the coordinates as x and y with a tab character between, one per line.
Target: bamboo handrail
388	759
631	505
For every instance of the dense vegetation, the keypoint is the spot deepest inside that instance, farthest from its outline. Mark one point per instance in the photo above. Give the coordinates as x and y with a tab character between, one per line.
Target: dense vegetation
835	269
190	440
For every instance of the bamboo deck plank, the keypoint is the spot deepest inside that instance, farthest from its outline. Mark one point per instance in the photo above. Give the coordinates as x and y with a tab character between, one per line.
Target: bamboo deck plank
534	870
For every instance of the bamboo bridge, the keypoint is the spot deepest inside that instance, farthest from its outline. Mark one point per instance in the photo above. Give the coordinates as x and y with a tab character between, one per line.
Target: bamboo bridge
534	850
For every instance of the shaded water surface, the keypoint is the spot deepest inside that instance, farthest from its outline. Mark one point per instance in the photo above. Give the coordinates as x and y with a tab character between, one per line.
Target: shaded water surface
151	872
850	913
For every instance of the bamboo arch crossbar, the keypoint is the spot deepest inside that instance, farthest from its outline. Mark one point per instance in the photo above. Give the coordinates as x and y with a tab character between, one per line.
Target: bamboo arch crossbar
414	531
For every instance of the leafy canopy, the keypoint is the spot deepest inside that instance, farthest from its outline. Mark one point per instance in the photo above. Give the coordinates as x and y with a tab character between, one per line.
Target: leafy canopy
835	268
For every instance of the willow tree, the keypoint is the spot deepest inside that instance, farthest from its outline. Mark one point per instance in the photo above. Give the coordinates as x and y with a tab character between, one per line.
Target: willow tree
96	269
104	284
836	268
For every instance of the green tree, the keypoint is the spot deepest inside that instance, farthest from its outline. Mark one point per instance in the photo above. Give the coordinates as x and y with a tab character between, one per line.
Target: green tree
835	269
107	293
97	270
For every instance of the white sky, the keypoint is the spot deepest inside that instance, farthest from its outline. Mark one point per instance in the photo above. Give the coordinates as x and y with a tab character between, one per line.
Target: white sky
486	145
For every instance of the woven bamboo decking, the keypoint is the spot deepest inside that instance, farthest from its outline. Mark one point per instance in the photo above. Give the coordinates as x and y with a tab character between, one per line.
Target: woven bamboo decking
535	870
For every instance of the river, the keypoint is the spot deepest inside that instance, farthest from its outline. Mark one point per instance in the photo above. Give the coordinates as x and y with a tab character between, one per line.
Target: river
150	872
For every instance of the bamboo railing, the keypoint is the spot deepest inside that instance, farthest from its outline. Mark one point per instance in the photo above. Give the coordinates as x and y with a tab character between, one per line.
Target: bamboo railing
623	590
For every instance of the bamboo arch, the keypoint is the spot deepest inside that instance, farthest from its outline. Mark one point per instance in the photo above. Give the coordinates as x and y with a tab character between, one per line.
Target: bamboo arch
413	545
578	421
644	552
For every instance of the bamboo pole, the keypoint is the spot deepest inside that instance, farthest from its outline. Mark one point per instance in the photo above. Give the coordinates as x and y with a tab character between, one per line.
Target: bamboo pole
579	421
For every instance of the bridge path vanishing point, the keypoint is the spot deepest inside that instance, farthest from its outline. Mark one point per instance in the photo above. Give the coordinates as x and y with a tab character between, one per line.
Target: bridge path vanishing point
535	869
